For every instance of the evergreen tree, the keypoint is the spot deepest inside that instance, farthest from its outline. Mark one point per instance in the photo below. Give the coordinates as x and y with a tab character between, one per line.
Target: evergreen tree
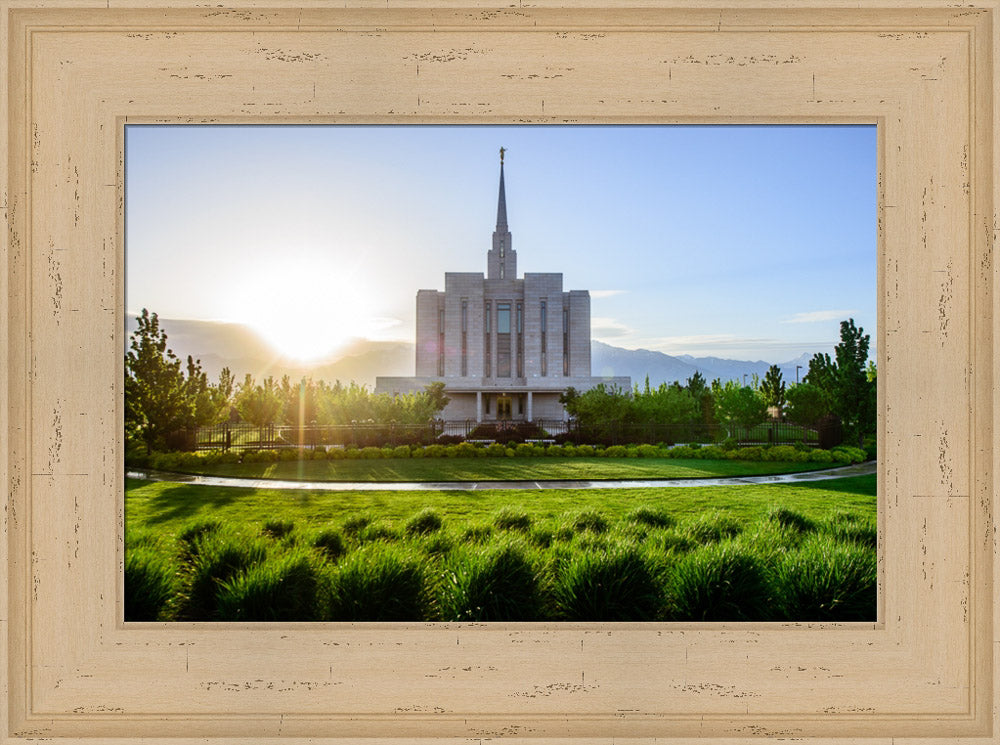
156	394
773	388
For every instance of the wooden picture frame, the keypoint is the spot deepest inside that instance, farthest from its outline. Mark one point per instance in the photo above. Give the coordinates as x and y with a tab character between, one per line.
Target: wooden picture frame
75	71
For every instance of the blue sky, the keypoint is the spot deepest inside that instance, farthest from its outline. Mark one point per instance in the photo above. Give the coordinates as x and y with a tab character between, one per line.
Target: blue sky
747	242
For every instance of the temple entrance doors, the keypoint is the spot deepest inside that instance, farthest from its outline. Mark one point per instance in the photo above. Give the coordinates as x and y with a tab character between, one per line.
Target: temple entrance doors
503	408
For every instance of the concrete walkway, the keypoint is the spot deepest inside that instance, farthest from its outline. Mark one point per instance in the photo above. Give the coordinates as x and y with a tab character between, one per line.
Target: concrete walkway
860	469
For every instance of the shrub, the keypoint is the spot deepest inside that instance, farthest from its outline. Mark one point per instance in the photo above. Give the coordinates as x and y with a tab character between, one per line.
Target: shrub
585	451
434	451
466	450
751	454
648	451
496	450
615	451
401	451
614	586
820	456
651	516
781	453
711	452
330	543
718	583
524	449
492	584
277	528
681	451
827	581
150	583
510	519
283	588
370	452
424	522
379	582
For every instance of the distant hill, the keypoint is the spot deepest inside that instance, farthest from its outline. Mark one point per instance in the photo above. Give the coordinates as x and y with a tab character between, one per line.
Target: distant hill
240	349
664	368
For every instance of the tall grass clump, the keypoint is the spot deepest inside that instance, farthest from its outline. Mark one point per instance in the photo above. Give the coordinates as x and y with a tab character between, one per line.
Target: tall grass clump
378	582
849	527
651	517
198	528
719	582
216	558
619	585
330	543
150	583
713	527
277	528
509	518
827	581
790	519
281	588
424	522
590	521
490	584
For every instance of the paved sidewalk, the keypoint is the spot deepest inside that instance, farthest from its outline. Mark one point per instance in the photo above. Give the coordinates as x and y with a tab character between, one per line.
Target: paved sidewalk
860	469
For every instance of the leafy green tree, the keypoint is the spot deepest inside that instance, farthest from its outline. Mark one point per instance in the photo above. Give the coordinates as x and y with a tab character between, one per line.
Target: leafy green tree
773	388
156	394
807	404
258	404
737	407
209	404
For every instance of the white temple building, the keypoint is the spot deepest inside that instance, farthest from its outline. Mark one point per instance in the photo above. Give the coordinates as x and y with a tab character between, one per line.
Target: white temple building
505	347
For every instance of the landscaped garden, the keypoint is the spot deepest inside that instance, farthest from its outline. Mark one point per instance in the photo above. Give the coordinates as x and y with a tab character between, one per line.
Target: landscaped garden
748	552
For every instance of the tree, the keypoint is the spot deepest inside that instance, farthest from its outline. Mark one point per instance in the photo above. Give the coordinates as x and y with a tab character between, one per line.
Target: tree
436	396
807	404
855	394
773	388
258	404
156	395
737	406
847	381
209	404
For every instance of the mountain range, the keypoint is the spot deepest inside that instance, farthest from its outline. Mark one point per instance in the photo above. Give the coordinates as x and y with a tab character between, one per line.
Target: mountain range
218	344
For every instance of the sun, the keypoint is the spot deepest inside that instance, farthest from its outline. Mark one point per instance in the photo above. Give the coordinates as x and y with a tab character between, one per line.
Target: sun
306	311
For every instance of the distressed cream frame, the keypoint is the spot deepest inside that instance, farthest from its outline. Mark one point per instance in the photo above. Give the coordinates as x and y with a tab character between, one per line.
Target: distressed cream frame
75	71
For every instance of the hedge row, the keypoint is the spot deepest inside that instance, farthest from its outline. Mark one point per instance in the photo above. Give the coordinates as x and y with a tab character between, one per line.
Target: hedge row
778	453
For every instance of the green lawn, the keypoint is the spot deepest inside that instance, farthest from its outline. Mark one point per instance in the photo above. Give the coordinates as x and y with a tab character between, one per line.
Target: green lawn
750	552
499	469
161	506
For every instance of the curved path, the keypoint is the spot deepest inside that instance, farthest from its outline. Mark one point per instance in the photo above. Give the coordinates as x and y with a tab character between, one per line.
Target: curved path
860	469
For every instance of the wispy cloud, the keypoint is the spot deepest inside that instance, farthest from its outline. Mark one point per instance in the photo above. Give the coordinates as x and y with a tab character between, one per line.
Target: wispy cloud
606	293
608	328
817	316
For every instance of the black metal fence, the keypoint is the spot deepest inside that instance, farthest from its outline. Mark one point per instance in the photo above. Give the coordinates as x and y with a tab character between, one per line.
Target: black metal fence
363	434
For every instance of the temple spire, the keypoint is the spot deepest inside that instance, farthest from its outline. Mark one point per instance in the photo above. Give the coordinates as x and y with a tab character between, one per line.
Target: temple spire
501	260
502	200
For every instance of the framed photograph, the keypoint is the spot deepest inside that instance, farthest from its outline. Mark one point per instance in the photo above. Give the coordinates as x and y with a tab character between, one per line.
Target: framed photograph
76	77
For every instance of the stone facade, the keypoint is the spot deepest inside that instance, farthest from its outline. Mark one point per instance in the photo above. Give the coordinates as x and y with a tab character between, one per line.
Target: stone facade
506	348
